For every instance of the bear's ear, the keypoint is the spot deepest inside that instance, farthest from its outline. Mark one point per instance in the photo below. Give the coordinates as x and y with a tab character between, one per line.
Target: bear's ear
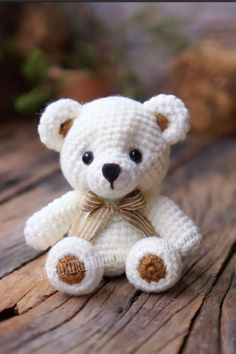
172	116
56	121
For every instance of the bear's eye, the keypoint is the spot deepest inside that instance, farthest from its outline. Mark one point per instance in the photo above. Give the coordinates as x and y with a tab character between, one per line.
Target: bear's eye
87	157
135	155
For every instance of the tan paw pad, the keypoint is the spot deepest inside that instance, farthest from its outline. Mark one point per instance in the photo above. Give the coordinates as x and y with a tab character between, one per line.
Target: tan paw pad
70	270
152	268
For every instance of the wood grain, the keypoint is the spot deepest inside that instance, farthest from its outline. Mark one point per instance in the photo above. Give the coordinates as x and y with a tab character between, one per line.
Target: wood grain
24	161
198	315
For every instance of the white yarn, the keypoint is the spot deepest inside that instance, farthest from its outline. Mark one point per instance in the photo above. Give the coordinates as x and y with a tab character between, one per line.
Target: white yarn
54	115
111	127
174	109
173	225
116	240
44	228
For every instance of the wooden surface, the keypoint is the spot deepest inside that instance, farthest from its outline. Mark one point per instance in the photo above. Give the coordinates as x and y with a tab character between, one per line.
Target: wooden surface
197	316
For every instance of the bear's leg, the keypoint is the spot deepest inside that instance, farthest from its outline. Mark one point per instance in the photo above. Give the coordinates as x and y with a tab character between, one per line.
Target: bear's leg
153	265
72	266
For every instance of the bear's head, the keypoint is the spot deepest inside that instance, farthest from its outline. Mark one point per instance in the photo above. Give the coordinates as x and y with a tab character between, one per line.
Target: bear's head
113	145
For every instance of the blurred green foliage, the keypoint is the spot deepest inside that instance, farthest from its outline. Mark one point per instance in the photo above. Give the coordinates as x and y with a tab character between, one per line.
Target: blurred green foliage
85	55
35	67
130	85
167	30
30	102
91	48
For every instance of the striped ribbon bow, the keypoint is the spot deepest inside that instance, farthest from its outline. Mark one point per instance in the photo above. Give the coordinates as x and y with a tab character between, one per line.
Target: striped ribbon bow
100	211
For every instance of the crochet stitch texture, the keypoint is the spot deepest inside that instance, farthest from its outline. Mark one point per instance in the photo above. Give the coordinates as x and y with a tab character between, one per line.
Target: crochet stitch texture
108	130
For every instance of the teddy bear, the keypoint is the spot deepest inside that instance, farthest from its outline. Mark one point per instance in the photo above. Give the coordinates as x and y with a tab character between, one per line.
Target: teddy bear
115	153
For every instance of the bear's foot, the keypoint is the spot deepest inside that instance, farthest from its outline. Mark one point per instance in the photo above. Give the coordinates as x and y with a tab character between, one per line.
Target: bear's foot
153	265
72	266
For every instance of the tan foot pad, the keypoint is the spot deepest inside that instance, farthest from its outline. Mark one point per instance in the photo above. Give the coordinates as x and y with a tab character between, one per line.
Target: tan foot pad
152	268
71	270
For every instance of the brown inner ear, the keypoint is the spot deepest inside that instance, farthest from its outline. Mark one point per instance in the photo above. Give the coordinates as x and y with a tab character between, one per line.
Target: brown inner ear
162	121
65	127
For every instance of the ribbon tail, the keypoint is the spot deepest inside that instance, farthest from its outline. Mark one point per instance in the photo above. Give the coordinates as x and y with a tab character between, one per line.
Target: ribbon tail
94	224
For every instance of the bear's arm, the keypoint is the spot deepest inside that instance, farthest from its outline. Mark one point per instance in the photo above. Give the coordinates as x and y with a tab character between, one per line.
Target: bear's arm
44	228
173	225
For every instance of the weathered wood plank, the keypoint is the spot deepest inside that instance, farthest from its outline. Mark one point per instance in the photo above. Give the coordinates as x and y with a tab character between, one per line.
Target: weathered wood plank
208	321
24	287
116	313
24	160
13	250
117	317
227	322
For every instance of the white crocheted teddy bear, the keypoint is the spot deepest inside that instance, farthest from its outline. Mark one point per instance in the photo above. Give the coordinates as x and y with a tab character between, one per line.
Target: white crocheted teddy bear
109	148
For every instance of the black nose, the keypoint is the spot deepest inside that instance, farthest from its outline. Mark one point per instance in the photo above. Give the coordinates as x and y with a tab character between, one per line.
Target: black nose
111	171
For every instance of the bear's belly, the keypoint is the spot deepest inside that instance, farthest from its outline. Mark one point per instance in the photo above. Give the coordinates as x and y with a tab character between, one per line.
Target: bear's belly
114	243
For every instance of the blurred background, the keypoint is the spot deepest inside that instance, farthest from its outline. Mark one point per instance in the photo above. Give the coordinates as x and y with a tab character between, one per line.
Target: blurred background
89	50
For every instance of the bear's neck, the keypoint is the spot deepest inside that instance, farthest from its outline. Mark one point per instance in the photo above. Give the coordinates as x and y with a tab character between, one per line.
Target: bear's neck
150	194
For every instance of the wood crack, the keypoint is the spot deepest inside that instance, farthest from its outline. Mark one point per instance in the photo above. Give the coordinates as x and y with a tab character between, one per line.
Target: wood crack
90	297
54	327
134	298
195	316
224	265
126	323
8	313
220	312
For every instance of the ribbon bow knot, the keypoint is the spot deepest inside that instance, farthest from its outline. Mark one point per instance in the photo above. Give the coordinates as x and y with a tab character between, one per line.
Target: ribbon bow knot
100	211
